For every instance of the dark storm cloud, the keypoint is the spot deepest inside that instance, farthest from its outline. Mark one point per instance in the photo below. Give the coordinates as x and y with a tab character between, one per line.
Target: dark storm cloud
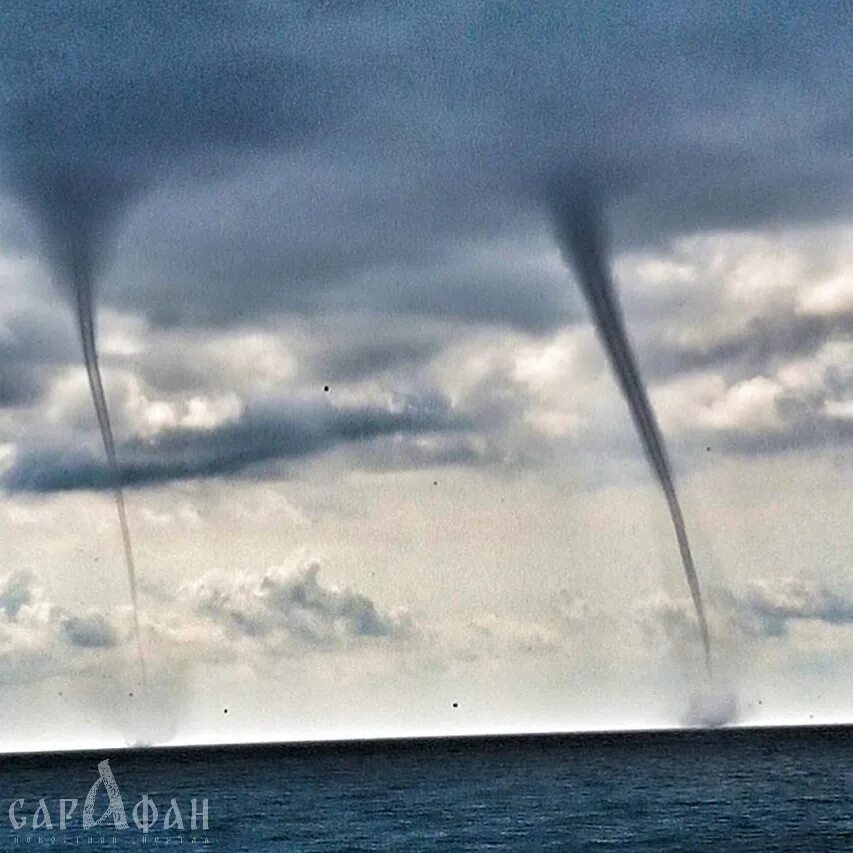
367	358
113	92
31	342
394	137
220	163
35	336
16	232
328	242
263	434
18	386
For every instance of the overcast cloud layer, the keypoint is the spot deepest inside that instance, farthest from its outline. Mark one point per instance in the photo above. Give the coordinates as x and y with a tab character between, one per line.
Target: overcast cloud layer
257	157
374	161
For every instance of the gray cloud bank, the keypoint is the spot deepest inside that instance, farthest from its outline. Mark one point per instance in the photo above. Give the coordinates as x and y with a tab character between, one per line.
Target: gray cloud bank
283	611
287	612
262	434
390	163
394	140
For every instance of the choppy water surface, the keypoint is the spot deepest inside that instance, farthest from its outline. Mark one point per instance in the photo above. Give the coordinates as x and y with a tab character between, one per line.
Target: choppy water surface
768	789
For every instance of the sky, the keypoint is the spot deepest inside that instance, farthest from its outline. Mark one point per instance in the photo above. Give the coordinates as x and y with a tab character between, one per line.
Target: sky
380	478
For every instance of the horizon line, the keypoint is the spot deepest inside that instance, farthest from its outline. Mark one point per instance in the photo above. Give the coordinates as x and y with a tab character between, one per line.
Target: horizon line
370	740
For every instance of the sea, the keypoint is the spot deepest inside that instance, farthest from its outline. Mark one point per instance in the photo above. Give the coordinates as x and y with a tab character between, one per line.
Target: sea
759	789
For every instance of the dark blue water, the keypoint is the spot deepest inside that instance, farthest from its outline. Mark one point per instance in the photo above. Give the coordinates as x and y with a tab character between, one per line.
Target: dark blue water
759	789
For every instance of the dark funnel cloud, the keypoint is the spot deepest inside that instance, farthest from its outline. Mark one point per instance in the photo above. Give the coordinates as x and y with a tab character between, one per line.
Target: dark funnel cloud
579	230
76	211
102	101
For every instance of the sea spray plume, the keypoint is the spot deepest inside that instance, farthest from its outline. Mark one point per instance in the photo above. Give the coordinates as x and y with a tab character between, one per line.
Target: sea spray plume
578	225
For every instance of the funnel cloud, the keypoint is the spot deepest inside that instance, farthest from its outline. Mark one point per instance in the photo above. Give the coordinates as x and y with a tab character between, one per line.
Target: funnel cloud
579	231
75	211
80	150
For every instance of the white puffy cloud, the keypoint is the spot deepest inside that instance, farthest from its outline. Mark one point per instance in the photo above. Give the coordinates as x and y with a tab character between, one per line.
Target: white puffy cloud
39	637
150	417
283	611
750	405
288	608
